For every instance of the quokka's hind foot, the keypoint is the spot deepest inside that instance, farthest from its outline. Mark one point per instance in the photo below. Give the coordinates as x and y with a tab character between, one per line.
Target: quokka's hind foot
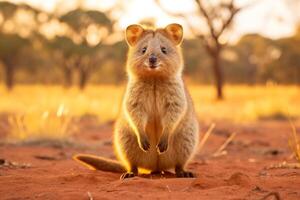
132	173
156	173
127	175
185	174
180	173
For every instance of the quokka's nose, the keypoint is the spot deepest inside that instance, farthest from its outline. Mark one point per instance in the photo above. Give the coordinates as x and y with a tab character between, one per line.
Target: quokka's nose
152	59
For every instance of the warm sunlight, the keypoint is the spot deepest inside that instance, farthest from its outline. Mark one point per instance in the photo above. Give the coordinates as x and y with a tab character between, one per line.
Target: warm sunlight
149	99
263	16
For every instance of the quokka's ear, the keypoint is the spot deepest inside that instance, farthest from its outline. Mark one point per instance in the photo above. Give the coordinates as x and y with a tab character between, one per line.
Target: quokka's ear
175	31
133	33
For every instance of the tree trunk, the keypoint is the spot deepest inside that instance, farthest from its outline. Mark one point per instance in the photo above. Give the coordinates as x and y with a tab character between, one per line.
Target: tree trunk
9	76
218	73
83	77
67	77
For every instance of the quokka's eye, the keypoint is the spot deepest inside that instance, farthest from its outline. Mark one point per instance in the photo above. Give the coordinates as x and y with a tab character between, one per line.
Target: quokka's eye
163	50
144	50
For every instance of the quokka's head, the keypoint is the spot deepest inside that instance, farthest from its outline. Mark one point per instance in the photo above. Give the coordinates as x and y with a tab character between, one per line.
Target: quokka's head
154	53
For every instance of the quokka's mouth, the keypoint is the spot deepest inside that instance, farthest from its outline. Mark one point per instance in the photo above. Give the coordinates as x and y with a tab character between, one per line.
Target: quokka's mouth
152	66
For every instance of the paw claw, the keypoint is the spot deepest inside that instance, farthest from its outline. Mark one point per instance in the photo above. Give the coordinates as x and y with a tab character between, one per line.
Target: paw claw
162	146
127	175
185	174
145	145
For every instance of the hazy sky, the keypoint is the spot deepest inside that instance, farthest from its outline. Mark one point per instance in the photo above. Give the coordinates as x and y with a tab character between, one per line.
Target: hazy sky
272	18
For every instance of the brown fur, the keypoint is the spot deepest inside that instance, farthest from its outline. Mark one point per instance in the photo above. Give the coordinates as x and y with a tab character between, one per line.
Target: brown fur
157	128
99	163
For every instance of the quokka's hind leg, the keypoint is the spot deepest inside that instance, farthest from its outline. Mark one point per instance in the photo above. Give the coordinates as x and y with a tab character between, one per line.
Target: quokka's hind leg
126	147
185	143
132	173
181	173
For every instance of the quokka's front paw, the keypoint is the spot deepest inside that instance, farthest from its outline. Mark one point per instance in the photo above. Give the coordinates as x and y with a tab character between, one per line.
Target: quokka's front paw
144	143
162	146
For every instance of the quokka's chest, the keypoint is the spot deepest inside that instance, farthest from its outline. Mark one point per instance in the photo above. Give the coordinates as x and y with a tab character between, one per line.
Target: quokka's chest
154	122
155	98
154	111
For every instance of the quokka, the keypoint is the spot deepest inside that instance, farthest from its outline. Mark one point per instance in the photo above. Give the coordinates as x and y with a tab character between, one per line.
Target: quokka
157	128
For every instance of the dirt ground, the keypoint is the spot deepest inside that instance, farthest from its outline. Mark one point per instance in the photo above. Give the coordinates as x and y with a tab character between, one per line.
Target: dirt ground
45	170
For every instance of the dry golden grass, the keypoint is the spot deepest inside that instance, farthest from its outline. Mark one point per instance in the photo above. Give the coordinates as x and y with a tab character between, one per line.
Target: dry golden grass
48	124
47	110
102	101
294	142
244	103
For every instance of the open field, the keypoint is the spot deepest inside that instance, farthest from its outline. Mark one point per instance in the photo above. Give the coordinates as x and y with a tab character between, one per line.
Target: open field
45	170
42	127
242	104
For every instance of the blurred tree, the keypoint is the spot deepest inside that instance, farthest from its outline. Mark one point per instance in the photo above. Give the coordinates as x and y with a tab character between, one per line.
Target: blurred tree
286	69
218	17
117	53
10	47
7	10
76	52
88	29
14	35
196	61
87	60
265	60
63	48
255	53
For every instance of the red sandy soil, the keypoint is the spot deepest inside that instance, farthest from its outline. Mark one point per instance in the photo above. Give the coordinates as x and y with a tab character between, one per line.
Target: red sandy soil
241	174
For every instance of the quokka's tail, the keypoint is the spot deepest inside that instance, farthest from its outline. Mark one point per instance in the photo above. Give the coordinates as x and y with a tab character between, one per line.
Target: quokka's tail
99	163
